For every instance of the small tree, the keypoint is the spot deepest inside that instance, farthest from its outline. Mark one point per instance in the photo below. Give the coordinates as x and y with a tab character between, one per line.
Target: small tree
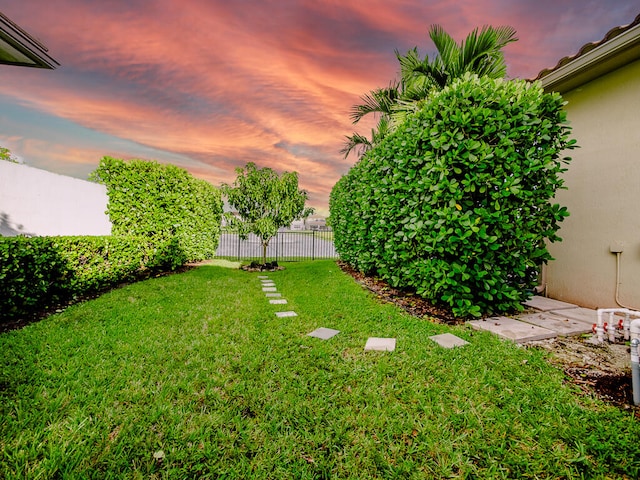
264	202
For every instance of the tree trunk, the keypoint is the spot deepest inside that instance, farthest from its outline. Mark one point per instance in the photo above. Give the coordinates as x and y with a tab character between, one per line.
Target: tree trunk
264	252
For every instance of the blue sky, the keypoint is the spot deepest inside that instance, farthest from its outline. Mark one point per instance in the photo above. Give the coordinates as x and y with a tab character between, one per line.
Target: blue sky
210	85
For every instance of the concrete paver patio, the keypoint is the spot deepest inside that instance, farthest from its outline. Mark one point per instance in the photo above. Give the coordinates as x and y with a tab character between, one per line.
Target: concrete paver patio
552	318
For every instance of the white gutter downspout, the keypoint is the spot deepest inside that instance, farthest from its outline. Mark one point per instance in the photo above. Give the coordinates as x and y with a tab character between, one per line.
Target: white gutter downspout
541	288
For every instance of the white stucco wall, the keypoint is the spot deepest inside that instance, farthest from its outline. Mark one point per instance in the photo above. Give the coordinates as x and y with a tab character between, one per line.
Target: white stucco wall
602	196
41	203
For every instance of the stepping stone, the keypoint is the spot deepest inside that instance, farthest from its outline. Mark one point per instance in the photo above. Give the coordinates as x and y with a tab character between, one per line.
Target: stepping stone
268	284
269	289
273	295
381	344
585	315
547	304
323	333
511	329
558	322
447	340
286	314
277	301
262	277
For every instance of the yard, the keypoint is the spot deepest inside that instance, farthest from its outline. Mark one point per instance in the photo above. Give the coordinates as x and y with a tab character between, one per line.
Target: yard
193	376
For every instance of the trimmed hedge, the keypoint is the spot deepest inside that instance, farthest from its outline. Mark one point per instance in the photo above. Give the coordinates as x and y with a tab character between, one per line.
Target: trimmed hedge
39	272
456	203
162	201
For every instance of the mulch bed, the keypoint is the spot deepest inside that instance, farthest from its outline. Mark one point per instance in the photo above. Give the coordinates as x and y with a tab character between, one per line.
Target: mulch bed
405	299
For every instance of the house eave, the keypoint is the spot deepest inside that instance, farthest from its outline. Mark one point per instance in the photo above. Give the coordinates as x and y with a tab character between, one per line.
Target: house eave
609	56
19	48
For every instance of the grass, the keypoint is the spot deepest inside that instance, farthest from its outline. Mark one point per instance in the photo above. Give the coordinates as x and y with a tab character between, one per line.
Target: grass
193	376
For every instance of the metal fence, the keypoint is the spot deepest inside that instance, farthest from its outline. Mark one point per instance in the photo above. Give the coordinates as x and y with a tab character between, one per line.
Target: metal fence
286	246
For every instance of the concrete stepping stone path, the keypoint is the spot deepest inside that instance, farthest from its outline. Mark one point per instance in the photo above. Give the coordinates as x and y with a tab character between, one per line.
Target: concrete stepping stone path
448	340
381	344
273	295
286	314
277	301
269	289
323	333
262	277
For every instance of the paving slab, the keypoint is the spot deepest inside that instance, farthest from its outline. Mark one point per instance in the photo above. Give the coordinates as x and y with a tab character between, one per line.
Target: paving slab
269	289
277	301
381	344
448	340
268	284
261	277
324	333
273	295
556	321
580	314
547	304
512	329
286	314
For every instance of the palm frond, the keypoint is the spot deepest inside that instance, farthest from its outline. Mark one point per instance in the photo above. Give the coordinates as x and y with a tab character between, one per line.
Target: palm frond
377	101
481	52
356	142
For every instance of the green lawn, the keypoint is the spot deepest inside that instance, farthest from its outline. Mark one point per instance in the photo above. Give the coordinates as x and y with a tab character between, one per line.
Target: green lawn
193	376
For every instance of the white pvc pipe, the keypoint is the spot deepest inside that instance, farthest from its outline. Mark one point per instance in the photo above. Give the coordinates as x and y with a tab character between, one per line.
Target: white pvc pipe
634	332
635	369
611	327
600	324
634	328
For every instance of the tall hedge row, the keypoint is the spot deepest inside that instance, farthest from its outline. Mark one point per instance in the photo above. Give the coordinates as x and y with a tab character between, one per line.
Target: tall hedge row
162	201
457	203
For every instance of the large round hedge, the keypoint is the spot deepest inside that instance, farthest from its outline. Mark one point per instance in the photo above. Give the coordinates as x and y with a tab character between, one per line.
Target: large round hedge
457	202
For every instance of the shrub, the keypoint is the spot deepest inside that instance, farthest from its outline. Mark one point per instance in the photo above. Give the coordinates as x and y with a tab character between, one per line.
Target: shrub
456	203
162	202
32	274
41	271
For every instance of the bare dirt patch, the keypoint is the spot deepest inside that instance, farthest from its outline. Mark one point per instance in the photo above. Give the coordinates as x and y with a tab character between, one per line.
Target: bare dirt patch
600	369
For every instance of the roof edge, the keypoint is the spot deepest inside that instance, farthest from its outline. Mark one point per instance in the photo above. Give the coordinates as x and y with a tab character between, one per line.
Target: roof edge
594	59
17	38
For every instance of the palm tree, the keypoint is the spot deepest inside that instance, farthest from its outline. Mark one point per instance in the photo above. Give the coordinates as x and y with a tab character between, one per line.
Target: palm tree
480	53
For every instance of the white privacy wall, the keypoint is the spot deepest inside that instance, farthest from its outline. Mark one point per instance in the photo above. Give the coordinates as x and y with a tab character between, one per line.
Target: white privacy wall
40	203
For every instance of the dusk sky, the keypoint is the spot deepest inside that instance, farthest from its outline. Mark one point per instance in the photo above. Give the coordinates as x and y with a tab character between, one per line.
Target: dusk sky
209	85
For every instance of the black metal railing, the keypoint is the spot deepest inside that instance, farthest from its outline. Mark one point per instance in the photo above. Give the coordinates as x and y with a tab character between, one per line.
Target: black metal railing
286	246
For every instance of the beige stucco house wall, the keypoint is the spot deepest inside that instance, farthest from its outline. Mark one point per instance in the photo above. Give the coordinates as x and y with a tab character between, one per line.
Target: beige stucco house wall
40	203
602	88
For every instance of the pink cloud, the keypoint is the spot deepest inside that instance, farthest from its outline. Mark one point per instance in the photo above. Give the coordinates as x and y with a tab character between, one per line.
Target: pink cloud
224	83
